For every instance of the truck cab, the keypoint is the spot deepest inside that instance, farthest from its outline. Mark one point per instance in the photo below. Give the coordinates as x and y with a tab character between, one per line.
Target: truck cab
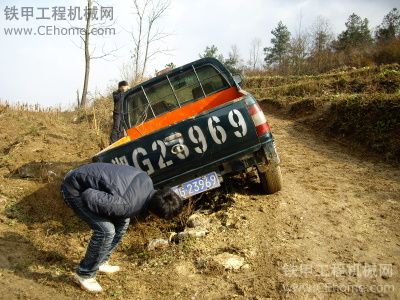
192	126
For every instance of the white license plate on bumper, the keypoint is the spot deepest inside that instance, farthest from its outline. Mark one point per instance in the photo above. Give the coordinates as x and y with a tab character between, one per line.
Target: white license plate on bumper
198	185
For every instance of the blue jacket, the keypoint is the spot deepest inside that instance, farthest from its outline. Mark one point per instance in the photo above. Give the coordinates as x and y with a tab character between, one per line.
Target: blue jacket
108	190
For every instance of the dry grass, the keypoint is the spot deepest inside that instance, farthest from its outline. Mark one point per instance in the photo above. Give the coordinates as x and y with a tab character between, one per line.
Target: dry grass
18	106
383	79
361	105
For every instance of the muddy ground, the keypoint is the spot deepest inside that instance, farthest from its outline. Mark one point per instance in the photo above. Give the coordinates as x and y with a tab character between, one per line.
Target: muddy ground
333	232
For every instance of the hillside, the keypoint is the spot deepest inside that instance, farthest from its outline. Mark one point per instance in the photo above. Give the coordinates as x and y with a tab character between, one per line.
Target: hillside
335	220
361	106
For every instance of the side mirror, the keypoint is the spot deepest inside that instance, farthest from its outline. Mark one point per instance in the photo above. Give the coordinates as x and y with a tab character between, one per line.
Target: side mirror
237	78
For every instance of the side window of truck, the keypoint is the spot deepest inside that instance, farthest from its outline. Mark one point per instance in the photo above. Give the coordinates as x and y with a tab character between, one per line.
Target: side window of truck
138	108
211	80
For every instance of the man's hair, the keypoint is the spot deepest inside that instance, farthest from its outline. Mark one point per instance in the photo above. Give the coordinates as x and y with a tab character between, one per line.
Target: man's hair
165	204
122	83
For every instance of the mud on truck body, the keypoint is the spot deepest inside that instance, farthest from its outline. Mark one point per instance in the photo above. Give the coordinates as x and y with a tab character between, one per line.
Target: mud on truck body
190	127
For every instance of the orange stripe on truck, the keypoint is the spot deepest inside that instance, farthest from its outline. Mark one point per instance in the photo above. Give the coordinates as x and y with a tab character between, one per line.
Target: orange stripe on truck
184	112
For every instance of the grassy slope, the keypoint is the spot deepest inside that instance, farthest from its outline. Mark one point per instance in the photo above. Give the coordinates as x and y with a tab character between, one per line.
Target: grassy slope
361	105
40	147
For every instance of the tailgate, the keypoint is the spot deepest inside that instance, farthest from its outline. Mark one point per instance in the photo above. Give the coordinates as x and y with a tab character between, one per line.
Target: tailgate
191	144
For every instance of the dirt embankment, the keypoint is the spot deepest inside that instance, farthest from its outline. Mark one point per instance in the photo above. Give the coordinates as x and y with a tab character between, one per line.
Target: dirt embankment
358	106
333	231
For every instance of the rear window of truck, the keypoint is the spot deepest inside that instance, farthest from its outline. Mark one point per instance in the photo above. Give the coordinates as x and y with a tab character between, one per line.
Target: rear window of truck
173	92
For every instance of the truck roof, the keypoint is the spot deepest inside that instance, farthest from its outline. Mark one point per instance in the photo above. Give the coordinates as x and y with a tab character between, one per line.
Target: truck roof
197	63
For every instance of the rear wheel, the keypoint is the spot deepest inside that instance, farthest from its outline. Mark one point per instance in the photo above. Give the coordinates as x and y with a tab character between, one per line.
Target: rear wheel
270	179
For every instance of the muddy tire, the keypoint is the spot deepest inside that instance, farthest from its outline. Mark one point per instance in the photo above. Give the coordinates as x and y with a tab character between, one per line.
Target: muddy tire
271	180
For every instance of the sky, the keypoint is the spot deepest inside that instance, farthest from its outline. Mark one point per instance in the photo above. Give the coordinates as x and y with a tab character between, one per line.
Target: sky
48	69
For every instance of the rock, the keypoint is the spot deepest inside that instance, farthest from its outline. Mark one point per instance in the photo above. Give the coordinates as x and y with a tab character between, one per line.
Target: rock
40	170
195	232
157	244
31	170
230	261
197	220
188	233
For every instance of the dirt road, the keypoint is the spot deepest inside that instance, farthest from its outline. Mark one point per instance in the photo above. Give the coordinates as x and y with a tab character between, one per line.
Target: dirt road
332	233
337	220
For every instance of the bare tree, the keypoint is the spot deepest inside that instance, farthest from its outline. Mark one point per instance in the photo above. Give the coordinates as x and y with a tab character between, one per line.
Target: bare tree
90	51
299	48
234	63
321	35
148	14
87	54
321	38
298	52
255	54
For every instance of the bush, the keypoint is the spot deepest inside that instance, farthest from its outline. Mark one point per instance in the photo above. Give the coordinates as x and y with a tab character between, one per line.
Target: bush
387	52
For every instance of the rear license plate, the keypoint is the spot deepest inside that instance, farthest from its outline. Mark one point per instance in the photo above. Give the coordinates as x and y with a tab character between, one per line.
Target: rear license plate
198	185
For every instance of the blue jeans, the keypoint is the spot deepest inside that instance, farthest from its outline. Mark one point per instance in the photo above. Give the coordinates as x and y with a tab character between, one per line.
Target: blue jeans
106	235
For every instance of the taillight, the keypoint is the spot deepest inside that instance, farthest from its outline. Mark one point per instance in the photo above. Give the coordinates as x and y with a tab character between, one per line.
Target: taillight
260	122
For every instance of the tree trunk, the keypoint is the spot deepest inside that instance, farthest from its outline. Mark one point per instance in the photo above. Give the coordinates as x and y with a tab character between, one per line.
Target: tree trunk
78	99
140	12
146	51
87	55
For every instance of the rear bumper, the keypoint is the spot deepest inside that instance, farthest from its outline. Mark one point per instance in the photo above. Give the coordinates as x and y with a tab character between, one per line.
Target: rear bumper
263	154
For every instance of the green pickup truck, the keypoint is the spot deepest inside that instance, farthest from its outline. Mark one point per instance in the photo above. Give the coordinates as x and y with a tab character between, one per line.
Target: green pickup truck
191	127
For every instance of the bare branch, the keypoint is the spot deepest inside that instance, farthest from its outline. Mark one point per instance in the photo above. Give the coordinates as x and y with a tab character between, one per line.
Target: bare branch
160	51
104	24
157	36
156	13
255	54
146	35
107	54
78	46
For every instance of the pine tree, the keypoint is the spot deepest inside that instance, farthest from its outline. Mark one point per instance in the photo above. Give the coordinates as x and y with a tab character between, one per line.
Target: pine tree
278	53
232	63
356	34
390	26
212	51
170	65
